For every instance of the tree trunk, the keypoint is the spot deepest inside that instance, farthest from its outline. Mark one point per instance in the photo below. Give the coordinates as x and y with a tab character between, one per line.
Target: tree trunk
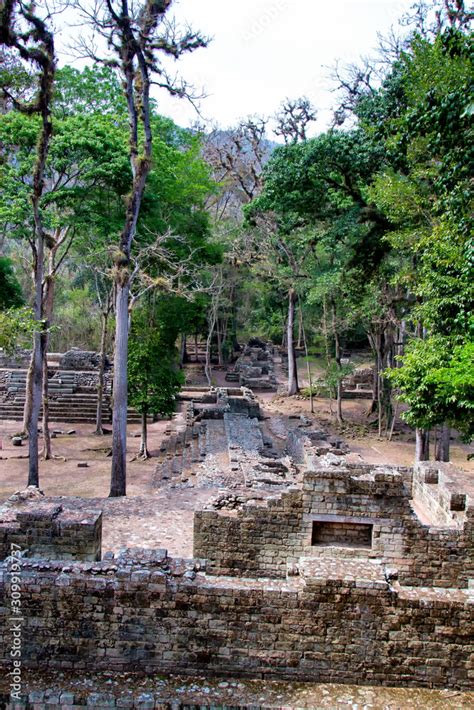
422	448
48	309
233	300
337	357
292	368
326	332
376	379
208	363
36	396
182	351
47	450
118	485
300	328
225	327
310	379
196	349
144	453
220	359
382	343
443	444
100	380
35	46
25	427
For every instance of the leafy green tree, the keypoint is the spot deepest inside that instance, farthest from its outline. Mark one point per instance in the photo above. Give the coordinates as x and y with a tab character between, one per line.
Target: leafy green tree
437	383
317	194
154	379
427	196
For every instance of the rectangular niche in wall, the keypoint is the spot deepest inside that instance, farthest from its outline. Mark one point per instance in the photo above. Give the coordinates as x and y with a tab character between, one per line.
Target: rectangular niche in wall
341	534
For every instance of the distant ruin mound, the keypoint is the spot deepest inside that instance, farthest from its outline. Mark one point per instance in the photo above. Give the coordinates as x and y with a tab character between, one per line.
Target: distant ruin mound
76	359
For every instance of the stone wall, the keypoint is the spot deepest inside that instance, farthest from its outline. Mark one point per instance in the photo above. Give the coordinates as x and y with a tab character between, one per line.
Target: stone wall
269	539
258	541
342	623
77	359
18	359
46	530
434	490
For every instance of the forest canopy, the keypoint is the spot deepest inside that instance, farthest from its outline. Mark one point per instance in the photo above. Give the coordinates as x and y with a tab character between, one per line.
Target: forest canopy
128	222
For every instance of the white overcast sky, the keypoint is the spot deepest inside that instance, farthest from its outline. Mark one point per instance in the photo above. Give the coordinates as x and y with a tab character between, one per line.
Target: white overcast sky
263	51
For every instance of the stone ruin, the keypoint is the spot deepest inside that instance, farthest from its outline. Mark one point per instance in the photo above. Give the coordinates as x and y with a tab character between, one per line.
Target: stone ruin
19	358
360	384
255	367
306	567
77	359
72	387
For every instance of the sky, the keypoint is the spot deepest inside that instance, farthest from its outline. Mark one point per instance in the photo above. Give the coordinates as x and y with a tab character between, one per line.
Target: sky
263	51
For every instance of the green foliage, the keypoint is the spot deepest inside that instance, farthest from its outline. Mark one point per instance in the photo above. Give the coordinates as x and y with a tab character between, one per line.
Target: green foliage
17	325
436	380
94	90
87	169
76	316
153	377
10	289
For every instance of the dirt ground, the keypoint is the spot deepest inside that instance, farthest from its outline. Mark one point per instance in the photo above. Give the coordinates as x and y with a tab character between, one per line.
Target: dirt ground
191	692
62	476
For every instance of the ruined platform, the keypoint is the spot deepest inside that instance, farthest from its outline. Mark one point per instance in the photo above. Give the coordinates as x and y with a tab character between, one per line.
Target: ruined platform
305	567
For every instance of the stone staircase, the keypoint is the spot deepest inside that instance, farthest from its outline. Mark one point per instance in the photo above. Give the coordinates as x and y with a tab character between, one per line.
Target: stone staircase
67	401
180	452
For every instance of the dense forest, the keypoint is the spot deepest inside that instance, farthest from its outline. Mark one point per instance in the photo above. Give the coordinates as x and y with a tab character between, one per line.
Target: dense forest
124	233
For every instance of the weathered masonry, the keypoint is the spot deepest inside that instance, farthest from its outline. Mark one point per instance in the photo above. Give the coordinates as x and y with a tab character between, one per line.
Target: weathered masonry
48	531
353	512
338	581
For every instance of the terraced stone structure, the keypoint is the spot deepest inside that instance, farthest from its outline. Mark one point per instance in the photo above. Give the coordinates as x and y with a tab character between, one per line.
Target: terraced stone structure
336	580
255	367
47	530
305	566
72	387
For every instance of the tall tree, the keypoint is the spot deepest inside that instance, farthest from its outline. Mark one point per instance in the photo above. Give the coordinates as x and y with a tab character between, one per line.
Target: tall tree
23	29
136	35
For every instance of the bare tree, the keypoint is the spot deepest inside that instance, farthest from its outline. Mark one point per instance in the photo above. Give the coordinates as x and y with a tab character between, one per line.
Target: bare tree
137	35
293	118
430	17
425	17
58	244
23	29
237	157
352	83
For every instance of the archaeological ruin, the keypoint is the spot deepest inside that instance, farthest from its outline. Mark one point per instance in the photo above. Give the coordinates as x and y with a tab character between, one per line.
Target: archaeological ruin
305	566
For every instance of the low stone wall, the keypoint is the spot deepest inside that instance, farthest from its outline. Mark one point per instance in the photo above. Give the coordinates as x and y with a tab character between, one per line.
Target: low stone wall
434	490
270	539
336	623
258	541
46	530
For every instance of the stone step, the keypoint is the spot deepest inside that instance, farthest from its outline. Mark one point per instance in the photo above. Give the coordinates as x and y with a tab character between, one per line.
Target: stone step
66	415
